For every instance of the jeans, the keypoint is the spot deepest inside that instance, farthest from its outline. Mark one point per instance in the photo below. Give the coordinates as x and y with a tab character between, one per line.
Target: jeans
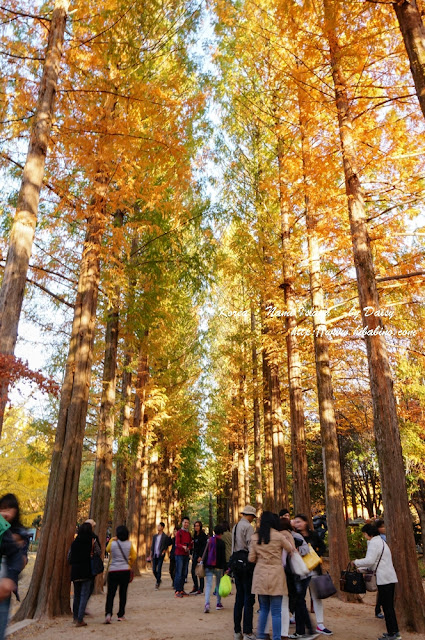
302	619
82	590
209	573
198	583
4	616
117	579
182	563
386	596
157	568
244	602
272	604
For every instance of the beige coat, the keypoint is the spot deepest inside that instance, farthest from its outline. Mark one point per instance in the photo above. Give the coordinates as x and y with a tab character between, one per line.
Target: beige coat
269	576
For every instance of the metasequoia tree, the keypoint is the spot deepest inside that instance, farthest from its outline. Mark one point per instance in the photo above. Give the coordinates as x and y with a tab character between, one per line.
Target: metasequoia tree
400	534
23	228
413	31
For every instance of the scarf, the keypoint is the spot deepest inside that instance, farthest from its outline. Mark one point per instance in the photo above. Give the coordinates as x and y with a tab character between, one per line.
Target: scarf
212	552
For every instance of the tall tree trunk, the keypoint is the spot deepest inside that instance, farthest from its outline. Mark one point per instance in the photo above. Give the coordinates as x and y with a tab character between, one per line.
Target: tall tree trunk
122	457
235	484
48	593
257	422
411	598
245	443
413	32
23	227
337	536
301	488
137	498
268	438
101	494
279	461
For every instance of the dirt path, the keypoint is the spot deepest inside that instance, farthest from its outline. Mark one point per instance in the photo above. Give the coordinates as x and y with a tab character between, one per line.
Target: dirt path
158	615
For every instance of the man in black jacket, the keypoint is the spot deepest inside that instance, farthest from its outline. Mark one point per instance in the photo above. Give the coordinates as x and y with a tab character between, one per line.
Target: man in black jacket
160	544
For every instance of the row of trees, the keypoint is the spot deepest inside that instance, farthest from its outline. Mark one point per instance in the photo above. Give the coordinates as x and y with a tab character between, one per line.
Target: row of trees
321	268
121	246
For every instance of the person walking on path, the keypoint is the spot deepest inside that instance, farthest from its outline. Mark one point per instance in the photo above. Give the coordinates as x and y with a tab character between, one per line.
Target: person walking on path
269	581
244	601
215	563
379	558
80	560
300	523
123	555
200	540
183	547
160	544
11	566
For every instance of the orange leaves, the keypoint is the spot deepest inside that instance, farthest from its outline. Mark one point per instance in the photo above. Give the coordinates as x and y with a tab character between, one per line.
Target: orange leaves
13	370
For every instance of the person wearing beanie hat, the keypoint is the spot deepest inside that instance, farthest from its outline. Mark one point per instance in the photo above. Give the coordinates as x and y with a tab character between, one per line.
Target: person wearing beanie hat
244	602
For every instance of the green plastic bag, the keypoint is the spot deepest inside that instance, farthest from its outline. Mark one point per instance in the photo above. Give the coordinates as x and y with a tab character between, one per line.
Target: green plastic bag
225	586
4	526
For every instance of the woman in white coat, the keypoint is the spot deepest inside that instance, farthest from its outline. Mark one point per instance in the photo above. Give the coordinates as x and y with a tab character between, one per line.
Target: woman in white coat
378	558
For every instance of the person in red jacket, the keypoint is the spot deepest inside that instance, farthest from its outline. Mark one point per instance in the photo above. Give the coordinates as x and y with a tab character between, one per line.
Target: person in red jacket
184	544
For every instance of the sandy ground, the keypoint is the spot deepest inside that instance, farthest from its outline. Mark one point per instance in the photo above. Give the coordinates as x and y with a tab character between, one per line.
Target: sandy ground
158	615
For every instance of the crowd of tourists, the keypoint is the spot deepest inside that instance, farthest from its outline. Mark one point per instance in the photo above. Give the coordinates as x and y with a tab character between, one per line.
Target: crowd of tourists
269	562
266	563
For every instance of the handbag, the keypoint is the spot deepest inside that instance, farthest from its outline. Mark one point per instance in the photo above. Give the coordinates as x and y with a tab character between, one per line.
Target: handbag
298	566
96	562
225	586
238	561
200	567
370	574
352	581
322	586
312	559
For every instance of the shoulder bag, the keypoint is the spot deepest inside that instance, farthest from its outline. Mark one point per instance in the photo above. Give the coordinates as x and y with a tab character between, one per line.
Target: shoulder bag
96	562
312	559
200	567
238	561
322	586
370	574
297	565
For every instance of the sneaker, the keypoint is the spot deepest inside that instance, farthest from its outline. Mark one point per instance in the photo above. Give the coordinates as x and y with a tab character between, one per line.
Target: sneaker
194	592
295	636
108	618
324	631
156	587
379	615
81	624
122	619
207	608
387	636
178	594
237	635
219	606
199	593
249	636
184	594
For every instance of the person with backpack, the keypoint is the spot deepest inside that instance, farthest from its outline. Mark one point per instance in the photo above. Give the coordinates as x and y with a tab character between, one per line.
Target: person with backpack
244	601
11	564
123	555
215	563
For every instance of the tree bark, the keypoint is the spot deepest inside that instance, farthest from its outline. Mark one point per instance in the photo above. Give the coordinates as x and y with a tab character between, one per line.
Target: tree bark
411	598
301	489
258	482
337	537
122	456
279	461
413	32
23	228
268	438
101	494
235	483
48	593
